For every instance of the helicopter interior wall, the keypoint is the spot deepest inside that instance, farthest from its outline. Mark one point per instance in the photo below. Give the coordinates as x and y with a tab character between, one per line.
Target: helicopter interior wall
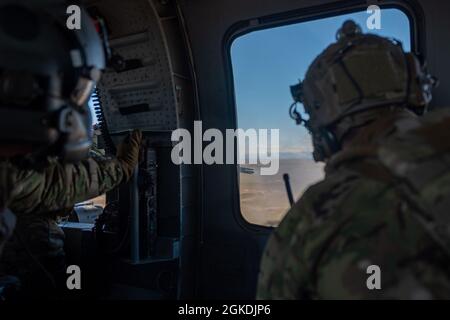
219	250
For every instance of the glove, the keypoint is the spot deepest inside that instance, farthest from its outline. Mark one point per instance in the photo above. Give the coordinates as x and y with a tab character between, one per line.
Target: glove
128	152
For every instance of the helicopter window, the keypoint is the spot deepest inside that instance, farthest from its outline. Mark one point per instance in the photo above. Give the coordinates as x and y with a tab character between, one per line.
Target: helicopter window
265	64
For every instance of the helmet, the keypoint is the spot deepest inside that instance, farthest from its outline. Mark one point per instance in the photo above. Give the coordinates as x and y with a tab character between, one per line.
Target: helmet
360	72
47	74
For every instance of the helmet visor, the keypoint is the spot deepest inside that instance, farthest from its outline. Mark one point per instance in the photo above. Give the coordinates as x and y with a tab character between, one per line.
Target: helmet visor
82	91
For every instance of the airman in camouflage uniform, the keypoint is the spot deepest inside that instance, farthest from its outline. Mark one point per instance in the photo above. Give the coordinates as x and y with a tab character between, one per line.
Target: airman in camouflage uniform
385	199
35	253
7	224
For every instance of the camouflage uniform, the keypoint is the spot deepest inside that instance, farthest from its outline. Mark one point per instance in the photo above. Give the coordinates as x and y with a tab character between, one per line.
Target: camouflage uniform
35	253
385	202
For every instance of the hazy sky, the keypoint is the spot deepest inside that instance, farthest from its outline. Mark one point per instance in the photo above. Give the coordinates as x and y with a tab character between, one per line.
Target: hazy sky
267	62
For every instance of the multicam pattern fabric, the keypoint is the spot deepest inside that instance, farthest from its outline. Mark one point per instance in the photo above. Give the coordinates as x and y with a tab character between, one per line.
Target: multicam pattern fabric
7	224
7	218
38	198
386	205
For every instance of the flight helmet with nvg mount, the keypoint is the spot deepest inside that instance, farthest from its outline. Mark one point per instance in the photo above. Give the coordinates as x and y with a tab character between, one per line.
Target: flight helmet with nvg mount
358	73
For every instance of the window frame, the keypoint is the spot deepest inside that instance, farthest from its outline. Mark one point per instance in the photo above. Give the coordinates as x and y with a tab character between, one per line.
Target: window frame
411	9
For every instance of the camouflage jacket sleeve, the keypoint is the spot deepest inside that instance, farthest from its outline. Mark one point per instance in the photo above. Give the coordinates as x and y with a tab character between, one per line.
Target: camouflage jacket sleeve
60	186
325	245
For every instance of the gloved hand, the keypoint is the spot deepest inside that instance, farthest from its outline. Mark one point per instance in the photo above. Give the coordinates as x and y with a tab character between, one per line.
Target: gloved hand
128	152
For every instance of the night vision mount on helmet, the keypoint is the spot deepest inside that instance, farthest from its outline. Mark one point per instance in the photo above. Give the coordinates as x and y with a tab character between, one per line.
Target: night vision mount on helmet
359	72
47	74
